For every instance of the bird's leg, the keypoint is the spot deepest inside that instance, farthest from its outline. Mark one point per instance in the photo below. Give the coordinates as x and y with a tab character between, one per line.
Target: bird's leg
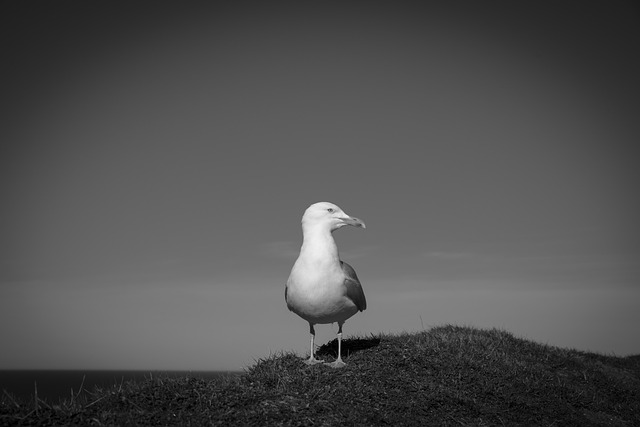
312	360
338	363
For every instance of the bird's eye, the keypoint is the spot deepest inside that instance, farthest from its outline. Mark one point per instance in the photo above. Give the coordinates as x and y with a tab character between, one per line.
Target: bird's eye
331	210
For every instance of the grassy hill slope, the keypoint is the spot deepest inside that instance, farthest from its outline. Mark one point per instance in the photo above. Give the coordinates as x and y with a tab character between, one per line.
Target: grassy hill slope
445	376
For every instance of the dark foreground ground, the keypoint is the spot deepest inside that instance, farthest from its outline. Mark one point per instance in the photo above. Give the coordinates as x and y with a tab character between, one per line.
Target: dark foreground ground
445	376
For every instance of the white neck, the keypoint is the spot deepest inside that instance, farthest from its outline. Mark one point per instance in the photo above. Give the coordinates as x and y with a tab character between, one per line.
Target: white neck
318	245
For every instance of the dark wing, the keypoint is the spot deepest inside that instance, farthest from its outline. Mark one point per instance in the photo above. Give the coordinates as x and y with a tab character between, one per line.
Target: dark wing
354	288
286	288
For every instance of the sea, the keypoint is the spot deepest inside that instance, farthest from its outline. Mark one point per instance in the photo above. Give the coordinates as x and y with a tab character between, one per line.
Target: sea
53	385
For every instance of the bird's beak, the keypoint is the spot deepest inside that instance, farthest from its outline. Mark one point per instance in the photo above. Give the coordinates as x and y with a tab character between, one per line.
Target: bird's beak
349	220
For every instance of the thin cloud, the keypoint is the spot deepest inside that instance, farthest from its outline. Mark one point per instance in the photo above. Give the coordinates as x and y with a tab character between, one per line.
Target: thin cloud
282	249
358	252
444	255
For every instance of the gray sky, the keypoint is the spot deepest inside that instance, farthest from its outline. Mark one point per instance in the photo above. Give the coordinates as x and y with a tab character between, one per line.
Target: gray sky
156	161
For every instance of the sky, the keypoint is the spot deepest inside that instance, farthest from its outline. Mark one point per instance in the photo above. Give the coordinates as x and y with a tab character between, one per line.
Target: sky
156	160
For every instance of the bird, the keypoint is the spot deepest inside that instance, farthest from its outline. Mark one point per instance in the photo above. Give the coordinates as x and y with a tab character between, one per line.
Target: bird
321	288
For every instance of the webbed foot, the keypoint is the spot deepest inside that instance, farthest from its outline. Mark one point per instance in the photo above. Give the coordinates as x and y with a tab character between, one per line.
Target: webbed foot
338	364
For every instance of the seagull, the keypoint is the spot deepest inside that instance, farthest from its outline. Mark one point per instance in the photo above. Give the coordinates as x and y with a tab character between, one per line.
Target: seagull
321	288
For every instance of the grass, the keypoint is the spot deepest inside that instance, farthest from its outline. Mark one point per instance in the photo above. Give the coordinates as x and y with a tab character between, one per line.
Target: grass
448	375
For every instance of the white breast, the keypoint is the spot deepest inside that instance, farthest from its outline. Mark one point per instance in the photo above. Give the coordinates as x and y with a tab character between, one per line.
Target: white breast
318	294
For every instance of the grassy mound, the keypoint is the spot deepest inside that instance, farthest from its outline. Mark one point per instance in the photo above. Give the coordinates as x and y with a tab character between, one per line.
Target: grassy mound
445	376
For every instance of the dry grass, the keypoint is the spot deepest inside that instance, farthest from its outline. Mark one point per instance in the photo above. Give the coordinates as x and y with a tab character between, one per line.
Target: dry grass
445	376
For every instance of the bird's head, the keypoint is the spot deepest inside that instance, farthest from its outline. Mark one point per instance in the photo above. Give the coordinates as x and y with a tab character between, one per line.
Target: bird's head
325	214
